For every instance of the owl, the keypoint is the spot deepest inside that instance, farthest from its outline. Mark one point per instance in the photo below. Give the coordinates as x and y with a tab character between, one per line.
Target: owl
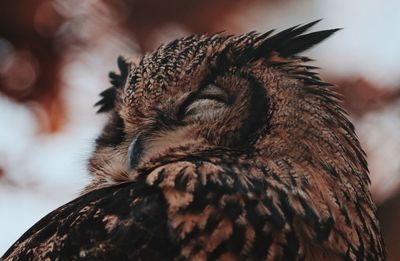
219	147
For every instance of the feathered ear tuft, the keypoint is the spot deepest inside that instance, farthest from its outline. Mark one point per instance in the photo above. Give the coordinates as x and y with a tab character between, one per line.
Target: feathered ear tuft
304	42
107	102
291	41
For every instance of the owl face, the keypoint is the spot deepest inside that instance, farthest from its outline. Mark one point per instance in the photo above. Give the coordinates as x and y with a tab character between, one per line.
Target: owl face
206	92
184	93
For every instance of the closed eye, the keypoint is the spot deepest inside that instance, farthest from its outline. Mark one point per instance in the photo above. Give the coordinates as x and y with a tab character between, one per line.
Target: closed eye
208	98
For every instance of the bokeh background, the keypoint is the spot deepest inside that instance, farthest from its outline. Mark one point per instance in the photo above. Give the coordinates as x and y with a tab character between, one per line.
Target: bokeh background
55	57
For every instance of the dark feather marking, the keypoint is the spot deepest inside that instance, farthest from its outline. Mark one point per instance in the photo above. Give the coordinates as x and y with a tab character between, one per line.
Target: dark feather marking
360	250
343	211
275	218
291	248
309	213
262	240
330	169
232	209
212	223
218	251
238	240
181	180
324	229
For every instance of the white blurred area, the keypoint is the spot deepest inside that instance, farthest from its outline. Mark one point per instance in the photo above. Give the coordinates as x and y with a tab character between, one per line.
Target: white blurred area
53	167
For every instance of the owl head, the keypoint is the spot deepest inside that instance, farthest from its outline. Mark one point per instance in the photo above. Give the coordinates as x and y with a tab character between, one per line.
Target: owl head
250	95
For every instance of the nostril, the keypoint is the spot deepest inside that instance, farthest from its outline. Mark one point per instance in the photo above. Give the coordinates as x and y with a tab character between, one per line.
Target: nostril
134	152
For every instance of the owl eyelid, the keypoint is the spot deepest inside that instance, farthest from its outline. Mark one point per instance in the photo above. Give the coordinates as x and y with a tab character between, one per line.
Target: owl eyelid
214	97
213	92
209	92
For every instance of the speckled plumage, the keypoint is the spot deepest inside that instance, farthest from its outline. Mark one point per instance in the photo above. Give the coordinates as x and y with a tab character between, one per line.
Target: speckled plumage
219	147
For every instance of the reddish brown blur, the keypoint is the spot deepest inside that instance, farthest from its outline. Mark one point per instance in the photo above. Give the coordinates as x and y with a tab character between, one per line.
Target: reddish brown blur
361	96
33	66
143	19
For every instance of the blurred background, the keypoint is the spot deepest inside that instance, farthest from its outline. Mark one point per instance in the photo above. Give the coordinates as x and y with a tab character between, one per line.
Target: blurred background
55	57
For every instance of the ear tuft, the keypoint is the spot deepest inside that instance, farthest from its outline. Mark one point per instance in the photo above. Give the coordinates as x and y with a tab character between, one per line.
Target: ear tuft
304	42
291	41
107	102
